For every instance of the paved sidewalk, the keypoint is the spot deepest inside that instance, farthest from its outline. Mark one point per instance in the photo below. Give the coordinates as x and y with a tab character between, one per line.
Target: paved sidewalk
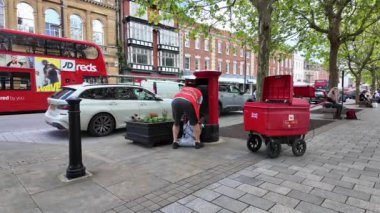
338	173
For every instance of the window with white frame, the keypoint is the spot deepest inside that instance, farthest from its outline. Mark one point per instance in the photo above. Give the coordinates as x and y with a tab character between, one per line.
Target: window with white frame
227	67
207	45
168	59
166	19
76	27
187	63
228	48
207	64
97	32
187	40
241	52
247	54
140	32
248	71
25	17
52	23
134	9
241	68
168	37
234	50
234	67
219	46
197	63
197	45
2	14
220	66
139	55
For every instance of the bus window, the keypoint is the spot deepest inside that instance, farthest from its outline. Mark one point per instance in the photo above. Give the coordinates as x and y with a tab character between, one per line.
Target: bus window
87	52
42	46
4	44
15	81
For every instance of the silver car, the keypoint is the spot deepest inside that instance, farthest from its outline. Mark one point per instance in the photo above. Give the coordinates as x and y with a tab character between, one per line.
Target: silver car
231	98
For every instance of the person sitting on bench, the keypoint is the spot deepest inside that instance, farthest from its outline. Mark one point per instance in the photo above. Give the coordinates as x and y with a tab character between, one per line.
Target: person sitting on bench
332	97
365	98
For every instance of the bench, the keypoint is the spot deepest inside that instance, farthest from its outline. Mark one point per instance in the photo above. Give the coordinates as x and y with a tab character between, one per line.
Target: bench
364	104
328	107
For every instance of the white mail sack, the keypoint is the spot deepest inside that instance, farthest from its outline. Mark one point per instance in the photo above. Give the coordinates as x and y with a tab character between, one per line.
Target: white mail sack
187	138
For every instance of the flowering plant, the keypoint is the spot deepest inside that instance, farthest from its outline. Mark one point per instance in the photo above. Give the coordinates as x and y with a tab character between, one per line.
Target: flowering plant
152	117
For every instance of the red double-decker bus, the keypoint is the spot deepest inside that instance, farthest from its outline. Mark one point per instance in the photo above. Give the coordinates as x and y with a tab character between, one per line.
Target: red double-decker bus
34	66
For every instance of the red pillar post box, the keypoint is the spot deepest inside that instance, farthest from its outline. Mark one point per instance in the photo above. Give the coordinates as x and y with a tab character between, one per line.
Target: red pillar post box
207	82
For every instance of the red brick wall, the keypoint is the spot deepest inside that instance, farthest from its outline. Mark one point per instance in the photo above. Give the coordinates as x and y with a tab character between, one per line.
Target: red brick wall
196	52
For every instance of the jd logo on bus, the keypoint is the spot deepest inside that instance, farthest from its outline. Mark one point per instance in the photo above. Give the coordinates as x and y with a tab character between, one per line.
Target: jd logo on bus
68	65
88	68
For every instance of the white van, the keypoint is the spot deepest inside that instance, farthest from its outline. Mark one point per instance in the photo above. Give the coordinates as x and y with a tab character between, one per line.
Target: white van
165	89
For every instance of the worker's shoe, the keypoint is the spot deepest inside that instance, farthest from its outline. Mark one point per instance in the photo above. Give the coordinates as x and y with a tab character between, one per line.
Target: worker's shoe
198	145
175	145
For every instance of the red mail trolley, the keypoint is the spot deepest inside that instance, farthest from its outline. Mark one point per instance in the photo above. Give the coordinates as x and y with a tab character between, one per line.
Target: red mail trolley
278	119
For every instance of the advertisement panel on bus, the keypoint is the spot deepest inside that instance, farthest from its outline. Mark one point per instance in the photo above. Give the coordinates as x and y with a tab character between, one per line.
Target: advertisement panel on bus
48	71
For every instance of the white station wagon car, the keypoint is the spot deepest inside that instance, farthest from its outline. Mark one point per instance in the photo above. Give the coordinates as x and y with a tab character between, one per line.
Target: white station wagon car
104	108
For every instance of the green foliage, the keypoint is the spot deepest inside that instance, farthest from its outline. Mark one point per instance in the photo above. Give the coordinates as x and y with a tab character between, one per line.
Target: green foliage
332	24
152	118
361	55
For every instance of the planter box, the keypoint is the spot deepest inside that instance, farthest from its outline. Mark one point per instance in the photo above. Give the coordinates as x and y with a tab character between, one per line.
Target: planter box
149	133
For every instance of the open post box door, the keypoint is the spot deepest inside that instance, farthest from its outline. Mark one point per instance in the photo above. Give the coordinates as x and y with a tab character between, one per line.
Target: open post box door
207	83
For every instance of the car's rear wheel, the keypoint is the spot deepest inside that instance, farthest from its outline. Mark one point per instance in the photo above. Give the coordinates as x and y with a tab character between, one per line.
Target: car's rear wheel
101	124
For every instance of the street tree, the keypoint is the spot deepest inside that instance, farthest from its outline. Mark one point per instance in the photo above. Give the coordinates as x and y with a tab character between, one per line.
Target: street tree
358	55
335	21
257	24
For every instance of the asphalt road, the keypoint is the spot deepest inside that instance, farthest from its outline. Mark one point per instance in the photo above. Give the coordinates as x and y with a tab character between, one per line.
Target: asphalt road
22	122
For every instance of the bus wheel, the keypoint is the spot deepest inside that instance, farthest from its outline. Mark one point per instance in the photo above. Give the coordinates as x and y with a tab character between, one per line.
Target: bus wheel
101	124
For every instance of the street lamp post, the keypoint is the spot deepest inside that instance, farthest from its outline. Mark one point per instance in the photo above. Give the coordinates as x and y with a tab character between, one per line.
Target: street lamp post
245	68
62	19
342	87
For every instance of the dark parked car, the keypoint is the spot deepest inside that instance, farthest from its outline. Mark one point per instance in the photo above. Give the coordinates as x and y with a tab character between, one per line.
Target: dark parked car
351	94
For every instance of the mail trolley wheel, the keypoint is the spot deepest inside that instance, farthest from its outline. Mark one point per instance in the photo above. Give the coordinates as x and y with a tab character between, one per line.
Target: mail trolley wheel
299	147
273	148
254	142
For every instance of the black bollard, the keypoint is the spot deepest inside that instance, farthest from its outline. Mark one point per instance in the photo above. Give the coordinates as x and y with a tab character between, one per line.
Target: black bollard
75	168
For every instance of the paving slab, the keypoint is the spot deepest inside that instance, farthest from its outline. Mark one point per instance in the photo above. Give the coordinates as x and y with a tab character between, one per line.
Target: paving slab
339	172
77	197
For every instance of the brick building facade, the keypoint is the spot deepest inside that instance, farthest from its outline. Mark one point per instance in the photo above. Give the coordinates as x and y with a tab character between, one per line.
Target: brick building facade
150	50
216	52
314	72
88	20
